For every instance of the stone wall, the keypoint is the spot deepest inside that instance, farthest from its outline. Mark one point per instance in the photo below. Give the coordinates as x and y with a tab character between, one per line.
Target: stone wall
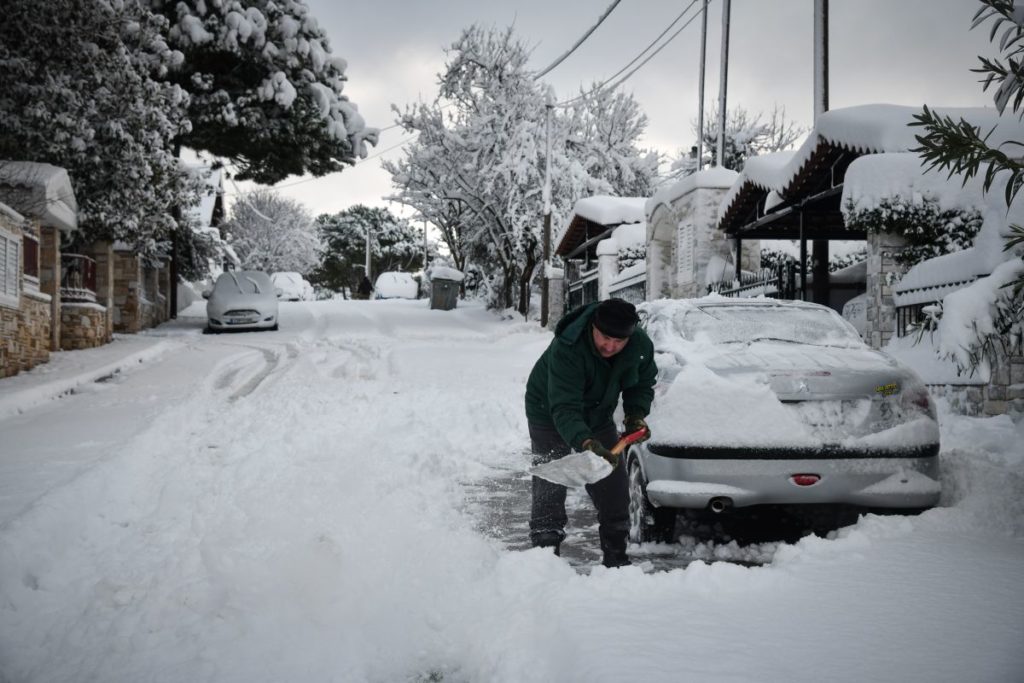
1003	395
83	326
25	330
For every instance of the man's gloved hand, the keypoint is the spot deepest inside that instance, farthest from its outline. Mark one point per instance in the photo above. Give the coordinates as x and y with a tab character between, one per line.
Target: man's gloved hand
634	423
595	447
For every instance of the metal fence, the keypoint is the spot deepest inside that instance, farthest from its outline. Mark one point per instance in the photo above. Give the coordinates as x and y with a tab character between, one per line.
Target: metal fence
775	283
77	278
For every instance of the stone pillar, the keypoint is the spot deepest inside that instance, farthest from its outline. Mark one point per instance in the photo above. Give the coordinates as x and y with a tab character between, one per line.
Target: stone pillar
556	296
607	266
883	272
103	253
49	278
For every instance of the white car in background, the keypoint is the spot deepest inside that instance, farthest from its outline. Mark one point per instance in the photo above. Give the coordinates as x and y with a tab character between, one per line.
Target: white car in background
396	285
241	300
293	286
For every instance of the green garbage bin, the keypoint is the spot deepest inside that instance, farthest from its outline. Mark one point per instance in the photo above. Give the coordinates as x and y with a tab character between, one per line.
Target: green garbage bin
444	294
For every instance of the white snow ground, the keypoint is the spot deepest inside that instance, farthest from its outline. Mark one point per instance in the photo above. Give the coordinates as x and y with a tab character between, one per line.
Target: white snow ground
299	506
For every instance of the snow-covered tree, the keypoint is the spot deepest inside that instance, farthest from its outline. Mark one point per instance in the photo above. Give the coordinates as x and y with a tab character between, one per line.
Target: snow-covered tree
395	245
273	233
266	90
77	92
746	135
477	168
960	149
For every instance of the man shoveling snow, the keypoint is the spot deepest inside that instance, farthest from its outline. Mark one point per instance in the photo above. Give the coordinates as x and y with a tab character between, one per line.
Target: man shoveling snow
597	355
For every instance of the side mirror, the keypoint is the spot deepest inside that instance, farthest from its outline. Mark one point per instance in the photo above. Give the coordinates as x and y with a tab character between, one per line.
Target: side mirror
207	293
279	292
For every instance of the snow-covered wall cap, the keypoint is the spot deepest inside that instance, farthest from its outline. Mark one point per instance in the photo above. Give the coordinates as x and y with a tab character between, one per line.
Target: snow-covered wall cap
445	273
631	234
766	171
608	247
606	210
960	266
716	178
42	191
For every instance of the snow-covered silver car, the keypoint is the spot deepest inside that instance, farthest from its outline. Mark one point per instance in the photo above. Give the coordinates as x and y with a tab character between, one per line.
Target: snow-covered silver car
762	402
241	300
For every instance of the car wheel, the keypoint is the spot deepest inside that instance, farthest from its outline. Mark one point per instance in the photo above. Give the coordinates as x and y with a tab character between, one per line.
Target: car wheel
647	523
274	328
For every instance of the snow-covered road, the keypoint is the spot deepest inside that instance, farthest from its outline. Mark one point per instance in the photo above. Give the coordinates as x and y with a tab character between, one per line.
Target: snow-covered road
323	503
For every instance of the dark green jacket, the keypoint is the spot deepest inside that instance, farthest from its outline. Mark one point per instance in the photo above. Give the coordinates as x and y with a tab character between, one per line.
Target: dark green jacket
573	388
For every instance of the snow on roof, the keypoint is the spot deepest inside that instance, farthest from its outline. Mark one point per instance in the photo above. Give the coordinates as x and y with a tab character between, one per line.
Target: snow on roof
715	177
766	171
11	213
878	128
931	280
41	191
606	210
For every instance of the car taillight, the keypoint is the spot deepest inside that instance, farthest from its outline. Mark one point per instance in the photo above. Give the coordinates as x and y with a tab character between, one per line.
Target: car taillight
805	479
918	397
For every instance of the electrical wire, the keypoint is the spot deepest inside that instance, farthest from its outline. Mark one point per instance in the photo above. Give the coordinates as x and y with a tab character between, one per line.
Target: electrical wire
604	84
580	41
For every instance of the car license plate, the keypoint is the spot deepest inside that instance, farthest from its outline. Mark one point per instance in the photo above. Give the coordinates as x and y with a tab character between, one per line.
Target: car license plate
240	321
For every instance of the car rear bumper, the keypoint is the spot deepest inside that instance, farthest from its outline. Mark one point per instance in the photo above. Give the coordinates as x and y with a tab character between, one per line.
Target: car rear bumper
682	477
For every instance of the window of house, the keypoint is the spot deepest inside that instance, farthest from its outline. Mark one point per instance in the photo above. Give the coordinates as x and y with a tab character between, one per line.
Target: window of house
10	269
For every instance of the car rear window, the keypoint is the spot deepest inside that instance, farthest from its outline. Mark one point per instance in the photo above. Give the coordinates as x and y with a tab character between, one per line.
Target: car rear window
729	324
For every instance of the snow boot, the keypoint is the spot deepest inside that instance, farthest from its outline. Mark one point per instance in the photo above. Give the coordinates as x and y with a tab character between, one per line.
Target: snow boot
548	539
613	545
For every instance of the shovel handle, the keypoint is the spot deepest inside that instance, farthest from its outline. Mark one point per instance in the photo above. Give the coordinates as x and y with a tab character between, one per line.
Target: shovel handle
628	439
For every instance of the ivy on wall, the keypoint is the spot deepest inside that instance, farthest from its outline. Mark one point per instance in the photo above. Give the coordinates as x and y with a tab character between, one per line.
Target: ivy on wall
928	229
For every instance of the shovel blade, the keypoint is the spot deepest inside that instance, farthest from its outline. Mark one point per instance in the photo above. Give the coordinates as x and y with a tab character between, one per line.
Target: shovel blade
574	470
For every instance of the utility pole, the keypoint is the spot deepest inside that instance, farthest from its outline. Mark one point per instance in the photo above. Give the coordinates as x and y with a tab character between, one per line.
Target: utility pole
819	248
544	310
700	88
366	267
723	83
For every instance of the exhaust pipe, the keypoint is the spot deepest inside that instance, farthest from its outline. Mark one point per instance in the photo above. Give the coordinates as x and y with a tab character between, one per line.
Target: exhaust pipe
720	504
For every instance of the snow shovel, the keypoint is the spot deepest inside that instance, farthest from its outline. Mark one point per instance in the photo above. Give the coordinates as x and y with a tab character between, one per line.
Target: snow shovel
579	469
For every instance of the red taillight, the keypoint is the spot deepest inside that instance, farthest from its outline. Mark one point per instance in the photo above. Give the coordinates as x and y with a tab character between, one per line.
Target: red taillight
805	479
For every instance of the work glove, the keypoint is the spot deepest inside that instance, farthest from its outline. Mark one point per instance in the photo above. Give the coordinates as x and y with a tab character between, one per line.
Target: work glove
634	423
595	447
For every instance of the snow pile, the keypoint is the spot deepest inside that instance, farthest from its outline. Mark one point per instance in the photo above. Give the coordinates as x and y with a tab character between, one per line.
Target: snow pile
294	506
716	177
439	272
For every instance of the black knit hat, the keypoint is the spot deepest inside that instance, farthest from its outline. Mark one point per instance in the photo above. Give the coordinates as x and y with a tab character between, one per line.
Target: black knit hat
615	318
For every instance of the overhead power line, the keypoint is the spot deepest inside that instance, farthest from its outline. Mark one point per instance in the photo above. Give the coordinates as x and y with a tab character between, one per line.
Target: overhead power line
604	85
580	41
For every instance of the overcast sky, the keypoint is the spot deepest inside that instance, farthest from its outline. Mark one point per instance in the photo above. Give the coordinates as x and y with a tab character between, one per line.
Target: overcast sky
907	52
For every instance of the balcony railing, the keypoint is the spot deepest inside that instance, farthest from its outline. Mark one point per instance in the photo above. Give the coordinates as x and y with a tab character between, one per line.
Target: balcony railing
78	278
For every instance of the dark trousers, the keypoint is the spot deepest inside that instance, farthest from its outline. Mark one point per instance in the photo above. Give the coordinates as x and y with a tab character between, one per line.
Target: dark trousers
610	495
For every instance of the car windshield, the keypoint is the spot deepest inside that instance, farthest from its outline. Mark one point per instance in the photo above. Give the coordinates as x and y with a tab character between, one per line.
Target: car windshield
745	324
243	282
